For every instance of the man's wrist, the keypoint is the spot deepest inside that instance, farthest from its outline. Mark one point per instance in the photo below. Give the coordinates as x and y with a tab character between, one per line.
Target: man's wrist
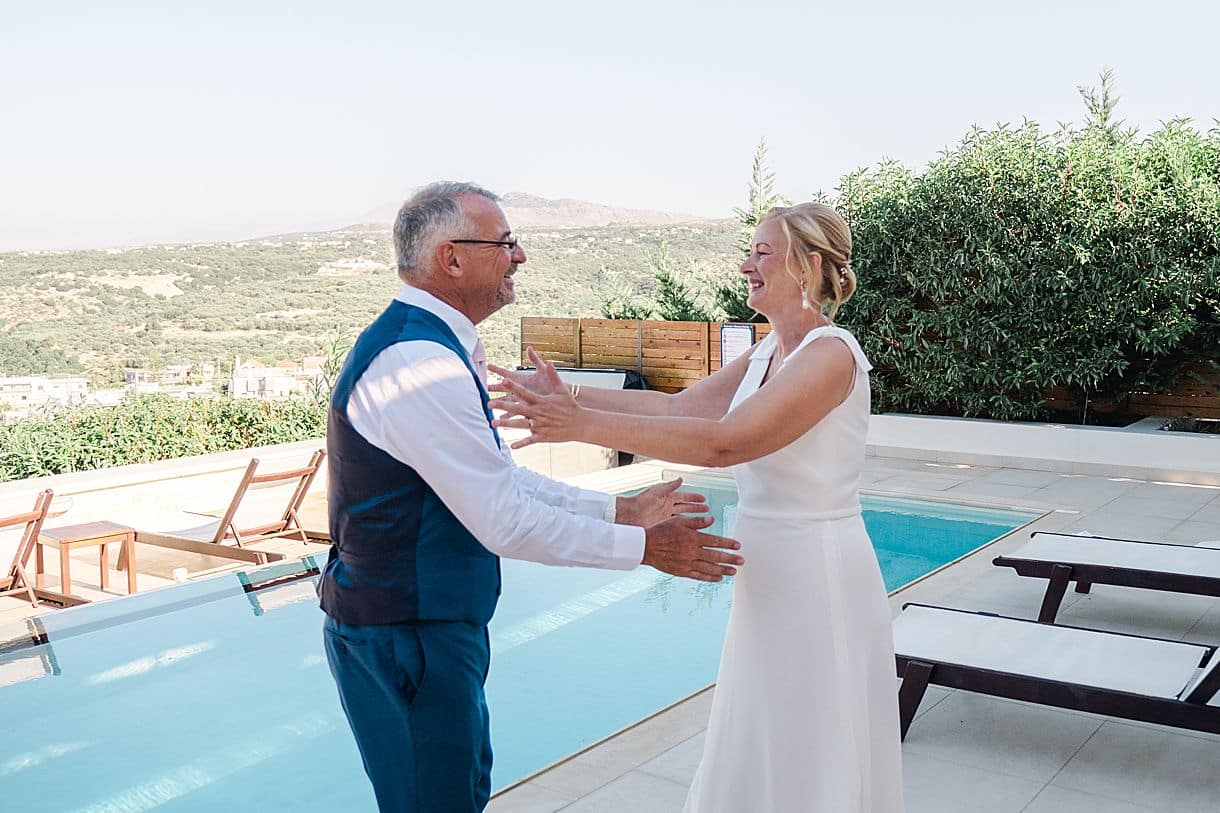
623	515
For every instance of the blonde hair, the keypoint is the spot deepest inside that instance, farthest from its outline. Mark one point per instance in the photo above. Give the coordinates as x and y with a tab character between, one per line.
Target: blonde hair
812	227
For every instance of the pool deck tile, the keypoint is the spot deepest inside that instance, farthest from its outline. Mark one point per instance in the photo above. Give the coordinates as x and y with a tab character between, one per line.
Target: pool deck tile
1148	767
1054	799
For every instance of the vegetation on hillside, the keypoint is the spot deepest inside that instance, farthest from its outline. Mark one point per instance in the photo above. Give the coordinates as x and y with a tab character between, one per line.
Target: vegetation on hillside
272	300
64	312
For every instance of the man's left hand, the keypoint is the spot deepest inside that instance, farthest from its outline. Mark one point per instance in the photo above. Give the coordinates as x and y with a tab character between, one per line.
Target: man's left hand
658	503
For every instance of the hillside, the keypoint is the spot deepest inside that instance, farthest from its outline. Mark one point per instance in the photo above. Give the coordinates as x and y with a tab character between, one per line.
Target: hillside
288	297
526	211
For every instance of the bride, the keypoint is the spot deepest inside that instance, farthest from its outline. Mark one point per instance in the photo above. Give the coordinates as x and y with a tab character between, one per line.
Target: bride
805	712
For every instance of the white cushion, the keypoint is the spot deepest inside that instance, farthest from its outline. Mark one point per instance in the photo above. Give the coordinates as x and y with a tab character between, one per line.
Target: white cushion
1086	550
606	379
1099	659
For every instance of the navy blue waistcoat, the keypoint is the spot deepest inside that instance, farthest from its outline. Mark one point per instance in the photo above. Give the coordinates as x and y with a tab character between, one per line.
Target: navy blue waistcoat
399	553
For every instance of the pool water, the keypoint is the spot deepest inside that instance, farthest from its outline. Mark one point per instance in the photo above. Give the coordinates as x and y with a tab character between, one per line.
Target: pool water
216	694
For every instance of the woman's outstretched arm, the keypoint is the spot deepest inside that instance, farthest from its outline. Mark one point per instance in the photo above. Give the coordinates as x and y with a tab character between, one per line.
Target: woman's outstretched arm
809	385
708	398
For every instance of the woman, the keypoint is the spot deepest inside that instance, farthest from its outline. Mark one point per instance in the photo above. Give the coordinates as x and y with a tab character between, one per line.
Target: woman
805	713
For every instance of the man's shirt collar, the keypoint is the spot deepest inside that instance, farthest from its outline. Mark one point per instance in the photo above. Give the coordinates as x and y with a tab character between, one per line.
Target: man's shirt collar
461	326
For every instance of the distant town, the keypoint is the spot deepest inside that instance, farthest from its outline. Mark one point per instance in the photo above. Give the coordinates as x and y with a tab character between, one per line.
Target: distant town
25	396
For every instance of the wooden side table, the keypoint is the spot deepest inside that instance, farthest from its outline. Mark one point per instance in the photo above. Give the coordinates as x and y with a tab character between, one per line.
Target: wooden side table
100	534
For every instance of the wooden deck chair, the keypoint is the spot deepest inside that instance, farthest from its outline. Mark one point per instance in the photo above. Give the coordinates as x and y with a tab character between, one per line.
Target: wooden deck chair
1114	674
1088	560
16	582
288	524
250	518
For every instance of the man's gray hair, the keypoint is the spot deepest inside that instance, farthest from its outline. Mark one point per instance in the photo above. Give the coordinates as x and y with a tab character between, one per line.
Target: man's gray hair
431	215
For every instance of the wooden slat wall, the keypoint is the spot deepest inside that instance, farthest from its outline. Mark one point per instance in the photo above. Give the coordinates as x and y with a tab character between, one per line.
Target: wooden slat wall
674	355
1190	398
671	355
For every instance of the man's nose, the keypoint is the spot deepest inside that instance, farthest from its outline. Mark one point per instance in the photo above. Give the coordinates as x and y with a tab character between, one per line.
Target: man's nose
519	255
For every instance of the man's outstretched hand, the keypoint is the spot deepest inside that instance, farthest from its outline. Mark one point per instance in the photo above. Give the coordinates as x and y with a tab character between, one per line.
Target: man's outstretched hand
658	503
677	547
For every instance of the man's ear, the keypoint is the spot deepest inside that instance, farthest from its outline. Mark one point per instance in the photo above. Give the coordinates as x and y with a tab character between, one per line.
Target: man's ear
447	259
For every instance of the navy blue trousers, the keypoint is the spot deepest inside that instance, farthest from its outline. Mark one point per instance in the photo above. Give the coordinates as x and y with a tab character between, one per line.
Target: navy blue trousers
413	695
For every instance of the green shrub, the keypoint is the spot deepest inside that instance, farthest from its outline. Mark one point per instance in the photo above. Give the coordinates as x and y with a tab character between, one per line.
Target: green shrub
1024	259
621	304
730	294
672	298
147	428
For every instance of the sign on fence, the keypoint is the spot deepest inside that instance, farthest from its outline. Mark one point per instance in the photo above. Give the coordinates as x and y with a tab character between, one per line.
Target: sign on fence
735	340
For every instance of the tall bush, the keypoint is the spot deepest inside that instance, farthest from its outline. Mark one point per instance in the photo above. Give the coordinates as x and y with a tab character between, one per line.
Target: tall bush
730	294
1024	259
672	299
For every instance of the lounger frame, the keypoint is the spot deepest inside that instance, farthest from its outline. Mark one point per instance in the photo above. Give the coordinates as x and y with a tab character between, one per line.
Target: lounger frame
1060	574
1193	713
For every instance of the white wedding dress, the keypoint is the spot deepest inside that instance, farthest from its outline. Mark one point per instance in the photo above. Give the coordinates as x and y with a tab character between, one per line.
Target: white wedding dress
805	713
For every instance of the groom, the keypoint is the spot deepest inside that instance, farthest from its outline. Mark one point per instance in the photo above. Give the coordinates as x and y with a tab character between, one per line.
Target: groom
424	500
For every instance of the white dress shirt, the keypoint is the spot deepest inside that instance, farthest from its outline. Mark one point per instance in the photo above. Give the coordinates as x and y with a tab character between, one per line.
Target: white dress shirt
418	403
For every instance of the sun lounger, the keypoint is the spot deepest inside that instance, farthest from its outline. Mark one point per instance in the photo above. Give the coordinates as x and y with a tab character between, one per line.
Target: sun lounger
16	581
1089	560
1109	673
263	507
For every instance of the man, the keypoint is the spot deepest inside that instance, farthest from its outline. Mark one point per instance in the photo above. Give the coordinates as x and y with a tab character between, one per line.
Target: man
424	499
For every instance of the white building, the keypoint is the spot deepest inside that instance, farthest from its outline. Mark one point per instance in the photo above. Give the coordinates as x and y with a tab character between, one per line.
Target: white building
21	395
178	380
287	378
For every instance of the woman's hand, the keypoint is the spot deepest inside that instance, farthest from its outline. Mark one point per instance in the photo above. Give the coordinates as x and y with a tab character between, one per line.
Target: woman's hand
543	381
550	418
658	503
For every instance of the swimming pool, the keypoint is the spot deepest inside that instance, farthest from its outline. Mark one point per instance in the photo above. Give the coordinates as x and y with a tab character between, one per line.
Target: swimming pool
215	694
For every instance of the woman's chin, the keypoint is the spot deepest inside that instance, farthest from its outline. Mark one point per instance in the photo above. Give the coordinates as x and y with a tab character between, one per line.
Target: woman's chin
756	302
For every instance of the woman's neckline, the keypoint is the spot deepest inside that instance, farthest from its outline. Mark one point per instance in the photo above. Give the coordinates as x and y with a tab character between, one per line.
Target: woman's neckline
801	341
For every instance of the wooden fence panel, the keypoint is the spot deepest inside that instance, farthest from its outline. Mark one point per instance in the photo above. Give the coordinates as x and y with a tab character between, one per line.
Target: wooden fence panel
670	355
1195	395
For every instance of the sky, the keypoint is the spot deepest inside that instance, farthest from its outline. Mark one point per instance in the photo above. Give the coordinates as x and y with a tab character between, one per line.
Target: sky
126	123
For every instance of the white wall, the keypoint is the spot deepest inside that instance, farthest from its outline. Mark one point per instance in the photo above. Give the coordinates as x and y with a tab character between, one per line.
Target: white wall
1169	456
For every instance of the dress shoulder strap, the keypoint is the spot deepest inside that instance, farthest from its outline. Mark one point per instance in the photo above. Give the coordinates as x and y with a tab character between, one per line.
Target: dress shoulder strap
765	348
845	336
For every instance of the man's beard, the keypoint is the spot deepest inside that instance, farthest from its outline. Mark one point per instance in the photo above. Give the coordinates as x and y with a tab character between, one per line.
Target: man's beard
503	295
509	279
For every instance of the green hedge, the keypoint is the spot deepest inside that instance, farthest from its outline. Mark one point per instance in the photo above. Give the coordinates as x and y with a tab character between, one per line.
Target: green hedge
1023	259
149	428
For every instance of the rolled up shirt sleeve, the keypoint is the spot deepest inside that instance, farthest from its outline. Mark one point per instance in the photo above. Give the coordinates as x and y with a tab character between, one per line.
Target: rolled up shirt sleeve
418	403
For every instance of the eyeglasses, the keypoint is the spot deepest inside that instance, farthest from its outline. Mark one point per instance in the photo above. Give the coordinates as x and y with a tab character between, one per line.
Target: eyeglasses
510	244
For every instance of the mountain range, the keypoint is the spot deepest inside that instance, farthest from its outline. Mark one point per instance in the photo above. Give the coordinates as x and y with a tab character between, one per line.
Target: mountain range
527	211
